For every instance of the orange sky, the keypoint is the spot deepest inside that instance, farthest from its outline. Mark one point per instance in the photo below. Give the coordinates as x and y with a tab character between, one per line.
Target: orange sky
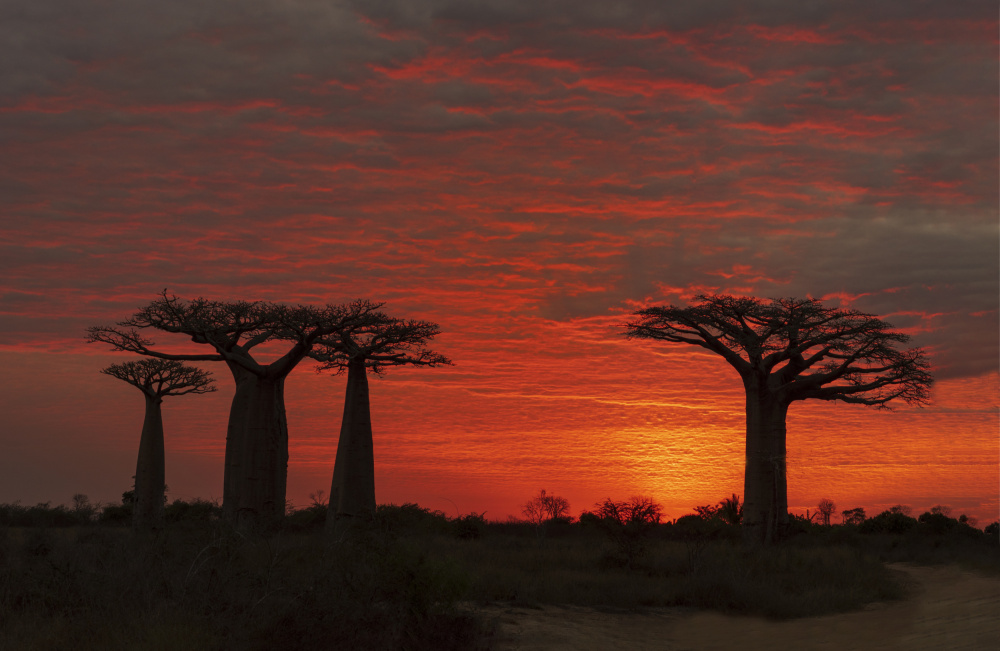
525	179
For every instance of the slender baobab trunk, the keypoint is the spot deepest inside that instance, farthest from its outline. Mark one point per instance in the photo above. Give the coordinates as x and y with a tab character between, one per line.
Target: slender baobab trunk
765	488
352	495
147	510
253	493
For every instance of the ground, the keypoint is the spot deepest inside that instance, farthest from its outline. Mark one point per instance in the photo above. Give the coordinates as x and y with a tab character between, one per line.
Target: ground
949	609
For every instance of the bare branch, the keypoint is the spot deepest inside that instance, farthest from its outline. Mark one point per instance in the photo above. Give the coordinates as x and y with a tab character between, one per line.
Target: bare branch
382	341
158	378
828	353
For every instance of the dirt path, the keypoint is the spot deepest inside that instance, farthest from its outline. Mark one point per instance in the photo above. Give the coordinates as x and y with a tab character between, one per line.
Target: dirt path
951	609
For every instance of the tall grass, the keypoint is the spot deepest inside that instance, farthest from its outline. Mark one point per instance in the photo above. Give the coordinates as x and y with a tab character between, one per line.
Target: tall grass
76	580
210	588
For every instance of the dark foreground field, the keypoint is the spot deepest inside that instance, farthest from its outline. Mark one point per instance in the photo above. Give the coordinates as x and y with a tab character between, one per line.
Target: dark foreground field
418	580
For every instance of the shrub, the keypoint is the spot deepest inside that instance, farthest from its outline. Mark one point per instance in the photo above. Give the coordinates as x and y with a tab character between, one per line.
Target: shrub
470	526
197	510
545	508
936	523
853	516
629	524
409	517
894	520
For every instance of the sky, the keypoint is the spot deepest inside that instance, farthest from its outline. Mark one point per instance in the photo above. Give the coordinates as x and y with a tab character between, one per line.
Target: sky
525	174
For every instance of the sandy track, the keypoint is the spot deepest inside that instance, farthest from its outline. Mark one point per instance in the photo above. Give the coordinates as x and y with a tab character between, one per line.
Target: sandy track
951	609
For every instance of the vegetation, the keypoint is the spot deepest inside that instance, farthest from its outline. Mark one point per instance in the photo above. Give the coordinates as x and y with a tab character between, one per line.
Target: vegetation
376	344
254	479
786	350
157	379
80	577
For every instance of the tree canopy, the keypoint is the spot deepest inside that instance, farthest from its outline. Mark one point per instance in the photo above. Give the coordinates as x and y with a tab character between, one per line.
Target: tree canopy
381	341
807	350
158	377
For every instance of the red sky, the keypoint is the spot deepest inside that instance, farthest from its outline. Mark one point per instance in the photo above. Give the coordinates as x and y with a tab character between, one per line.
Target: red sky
525	176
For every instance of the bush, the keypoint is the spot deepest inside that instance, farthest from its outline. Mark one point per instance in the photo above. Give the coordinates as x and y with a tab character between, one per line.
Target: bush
410	518
853	516
198	510
629	524
936	523
891	521
469	527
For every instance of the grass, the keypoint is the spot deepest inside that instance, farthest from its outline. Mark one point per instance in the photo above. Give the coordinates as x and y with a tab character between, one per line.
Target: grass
208	588
781	582
404	583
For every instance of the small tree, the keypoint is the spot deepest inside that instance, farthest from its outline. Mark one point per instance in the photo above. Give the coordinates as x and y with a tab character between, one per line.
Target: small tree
629	523
853	516
731	510
543	508
826	509
157	379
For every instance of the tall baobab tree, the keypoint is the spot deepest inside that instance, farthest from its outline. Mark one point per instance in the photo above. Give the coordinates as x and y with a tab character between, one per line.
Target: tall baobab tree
787	350
257	434
373	346
157	379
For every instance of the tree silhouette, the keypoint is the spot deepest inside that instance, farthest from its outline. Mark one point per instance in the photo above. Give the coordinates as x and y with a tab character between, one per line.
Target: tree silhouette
157	379
543	508
629	523
376	344
787	350
257	434
853	516
826	508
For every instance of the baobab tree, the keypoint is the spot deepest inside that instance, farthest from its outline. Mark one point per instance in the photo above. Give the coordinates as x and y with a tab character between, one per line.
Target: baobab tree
257	434
157	379
786	350
374	345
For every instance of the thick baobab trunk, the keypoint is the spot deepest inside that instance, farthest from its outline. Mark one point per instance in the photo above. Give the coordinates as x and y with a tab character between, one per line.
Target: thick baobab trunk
147	510
253	493
352	495
765	488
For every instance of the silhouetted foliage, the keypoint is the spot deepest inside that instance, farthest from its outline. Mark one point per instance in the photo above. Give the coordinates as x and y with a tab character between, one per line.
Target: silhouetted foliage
894	520
471	526
826	508
197	510
729	510
629	524
853	516
787	350
410	518
543	509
